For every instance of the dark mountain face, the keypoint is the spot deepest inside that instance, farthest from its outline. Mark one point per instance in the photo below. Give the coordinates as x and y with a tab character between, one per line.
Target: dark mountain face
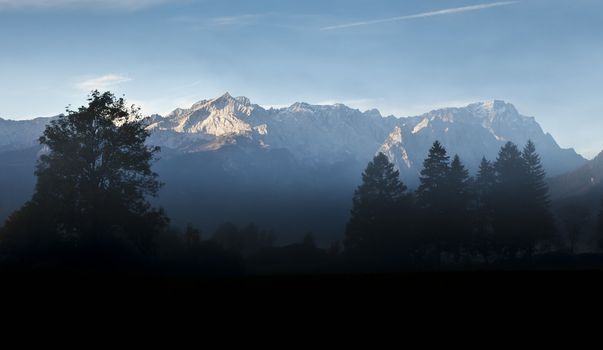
581	188
17	135
17	178
583	181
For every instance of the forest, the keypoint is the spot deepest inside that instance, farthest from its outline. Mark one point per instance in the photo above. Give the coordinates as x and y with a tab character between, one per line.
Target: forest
90	213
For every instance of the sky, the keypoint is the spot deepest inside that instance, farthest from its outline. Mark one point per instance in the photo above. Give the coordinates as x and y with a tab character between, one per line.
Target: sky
401	57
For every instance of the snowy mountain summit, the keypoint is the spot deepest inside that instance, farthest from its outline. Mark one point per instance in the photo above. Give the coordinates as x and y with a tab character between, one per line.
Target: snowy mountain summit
221	116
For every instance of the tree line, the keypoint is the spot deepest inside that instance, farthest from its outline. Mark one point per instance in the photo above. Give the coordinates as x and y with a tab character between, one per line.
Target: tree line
90	211
502	214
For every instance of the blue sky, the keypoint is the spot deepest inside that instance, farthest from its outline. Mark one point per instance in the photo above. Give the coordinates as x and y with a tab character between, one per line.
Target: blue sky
402	57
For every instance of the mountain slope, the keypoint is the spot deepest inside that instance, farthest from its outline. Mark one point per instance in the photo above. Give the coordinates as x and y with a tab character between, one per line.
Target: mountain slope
17	179
21	134
473	132
583	181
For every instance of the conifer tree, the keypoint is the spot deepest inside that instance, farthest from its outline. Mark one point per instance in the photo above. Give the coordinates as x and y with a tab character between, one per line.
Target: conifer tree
486	179
600	225
459	184
522	207
458	212
509	200
378	205
539	224
433	198
431	194
484	186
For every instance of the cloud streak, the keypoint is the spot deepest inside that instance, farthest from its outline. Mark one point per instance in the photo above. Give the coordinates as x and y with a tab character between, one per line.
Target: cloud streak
443	12
242	20
102	82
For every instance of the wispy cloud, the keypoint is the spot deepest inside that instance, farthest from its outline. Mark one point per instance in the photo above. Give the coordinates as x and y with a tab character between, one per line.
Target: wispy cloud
442	12
50	4
222	21
102	82
235	20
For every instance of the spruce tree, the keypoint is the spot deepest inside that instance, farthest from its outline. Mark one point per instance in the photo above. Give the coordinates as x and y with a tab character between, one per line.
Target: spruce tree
509	200
510	166
459	184
522	207
484	186
600	225
486	179
378	205
433	198
458	213
539	224
432	191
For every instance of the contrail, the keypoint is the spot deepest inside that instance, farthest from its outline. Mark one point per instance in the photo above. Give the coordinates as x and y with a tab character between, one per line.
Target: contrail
424	14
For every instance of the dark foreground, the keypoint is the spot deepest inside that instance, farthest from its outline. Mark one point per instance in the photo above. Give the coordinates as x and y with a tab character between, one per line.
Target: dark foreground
445	284
318	301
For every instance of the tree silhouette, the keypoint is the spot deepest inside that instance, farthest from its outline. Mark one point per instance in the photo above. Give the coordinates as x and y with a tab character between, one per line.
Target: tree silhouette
246	241
574	218
484	186
379	204
509	210
93	180
600	225
432	190
540	223
192	235
433	197
458	212
522	216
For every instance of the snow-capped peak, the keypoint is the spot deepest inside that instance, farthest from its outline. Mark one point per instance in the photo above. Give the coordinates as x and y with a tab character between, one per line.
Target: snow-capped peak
300	107
492	108
226	101
220	116
493	104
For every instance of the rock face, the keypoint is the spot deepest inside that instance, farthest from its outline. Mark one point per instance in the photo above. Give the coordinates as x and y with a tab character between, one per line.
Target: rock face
294	169
473	132
311	133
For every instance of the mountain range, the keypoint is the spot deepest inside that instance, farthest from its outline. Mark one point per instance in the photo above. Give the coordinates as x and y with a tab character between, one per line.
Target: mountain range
316	134
293	169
